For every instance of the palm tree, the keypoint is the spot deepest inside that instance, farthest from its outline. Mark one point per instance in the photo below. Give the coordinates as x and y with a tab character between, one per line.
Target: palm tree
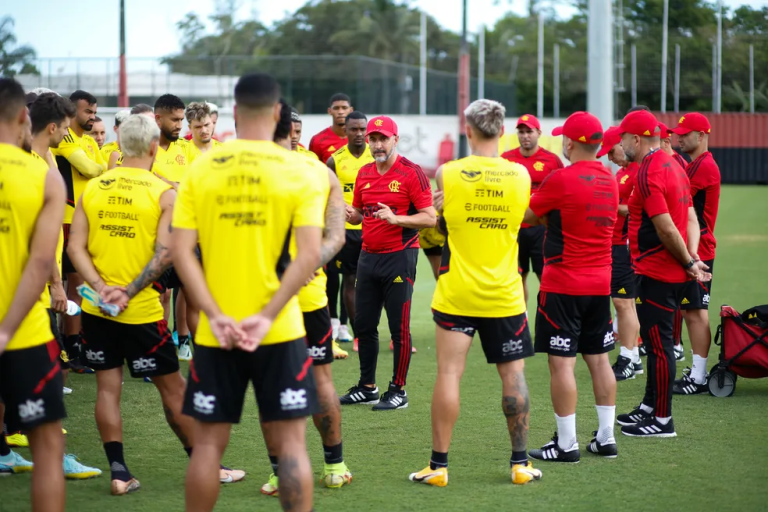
14	59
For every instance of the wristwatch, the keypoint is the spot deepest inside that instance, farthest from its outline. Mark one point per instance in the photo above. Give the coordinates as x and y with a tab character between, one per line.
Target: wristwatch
690	264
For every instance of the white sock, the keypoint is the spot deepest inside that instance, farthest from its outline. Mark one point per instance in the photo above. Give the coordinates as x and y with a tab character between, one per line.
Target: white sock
636	355
625	352
616	323
646	408
606	415
335	324
566	431
699	369
663	421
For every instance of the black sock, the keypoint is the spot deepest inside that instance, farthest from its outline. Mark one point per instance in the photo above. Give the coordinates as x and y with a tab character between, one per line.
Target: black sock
72	345
518	458
189	451
438	460
333	454
184	340
4	448
114	451
273	462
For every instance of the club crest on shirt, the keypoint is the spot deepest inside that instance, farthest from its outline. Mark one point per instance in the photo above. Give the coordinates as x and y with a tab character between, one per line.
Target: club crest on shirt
538	166
394	186
624	179
180	159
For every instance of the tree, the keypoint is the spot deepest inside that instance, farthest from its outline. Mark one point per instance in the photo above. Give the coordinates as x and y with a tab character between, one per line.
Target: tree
14	59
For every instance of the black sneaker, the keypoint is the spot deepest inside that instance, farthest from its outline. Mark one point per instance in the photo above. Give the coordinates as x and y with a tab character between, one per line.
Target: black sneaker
393	398
551	452
607	450
624	369
688	386
650	427
638	367
360	395
679	353
641	350
634	417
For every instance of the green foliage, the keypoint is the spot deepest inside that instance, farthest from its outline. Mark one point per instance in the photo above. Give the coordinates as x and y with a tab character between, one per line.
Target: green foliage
14	59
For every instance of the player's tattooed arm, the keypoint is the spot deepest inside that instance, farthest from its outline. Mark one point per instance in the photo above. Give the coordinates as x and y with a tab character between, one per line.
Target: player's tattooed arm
516	406
334	233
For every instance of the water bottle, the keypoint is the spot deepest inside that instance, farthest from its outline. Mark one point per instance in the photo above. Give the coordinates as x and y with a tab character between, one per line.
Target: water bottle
72	309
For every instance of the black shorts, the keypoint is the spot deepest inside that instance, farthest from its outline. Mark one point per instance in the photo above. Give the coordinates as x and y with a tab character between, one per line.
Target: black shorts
31	386
282	377
147	348
63	357
317	323
504	339
530	242
170	280
346	261
622	274
567	325
696	294
433	251
66	264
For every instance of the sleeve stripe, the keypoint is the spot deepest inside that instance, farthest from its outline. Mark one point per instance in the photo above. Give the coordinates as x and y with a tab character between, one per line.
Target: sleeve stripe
423	180
691	170
642	179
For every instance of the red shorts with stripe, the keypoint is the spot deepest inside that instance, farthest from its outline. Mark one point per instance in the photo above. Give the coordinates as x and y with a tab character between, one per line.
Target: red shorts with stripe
282	378
31	386
317	323
147	348
567	325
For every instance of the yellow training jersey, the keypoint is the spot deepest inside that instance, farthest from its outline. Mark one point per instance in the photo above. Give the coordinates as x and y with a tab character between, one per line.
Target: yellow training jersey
243	200
123	209
430	238
195	152
309	154
74	180
313	296
107	150
22	193
173	163
347	166
45	298
485	200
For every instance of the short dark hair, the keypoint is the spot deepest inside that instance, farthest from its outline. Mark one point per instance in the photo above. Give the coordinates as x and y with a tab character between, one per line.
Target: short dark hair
295	117
283	128
257	91
30	98
169	103
97	119
141	108
638	108
356	114
50	108
339	96
12	98
82	95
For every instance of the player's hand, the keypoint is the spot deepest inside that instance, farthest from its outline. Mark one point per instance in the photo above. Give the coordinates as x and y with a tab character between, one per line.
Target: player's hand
115	295
349	212
312	278
58	298
437	199
256	328
226	331
385	213
699	272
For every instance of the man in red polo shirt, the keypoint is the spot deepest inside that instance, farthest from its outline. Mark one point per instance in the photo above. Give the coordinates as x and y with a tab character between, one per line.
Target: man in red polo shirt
693	134
393	200
579	203
623	293
663	240
539	162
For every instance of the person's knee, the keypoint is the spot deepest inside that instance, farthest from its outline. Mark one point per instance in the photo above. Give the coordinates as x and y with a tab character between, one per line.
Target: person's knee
696	316
623	306
561	365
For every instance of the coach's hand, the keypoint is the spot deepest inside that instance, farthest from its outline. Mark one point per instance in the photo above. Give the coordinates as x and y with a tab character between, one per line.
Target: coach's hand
226	331
349	212
58	298
256	328
115	295
385	213
699	272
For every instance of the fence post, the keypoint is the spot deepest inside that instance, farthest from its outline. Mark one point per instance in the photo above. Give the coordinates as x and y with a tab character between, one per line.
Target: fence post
540	69
677	78
752	79
556	78
633	64
664	56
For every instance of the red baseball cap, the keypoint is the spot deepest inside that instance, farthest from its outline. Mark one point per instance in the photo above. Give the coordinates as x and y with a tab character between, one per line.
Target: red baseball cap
581	127
692	122
383	125
640	122
611	137
530	121
664	131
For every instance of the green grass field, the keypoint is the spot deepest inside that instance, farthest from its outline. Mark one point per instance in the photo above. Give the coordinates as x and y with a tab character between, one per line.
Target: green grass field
719	461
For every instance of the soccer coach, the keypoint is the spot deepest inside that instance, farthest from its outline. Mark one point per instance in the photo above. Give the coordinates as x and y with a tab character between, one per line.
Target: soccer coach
393	200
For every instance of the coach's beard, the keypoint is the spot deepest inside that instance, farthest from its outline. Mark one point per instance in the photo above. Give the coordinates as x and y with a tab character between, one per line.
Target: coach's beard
381	158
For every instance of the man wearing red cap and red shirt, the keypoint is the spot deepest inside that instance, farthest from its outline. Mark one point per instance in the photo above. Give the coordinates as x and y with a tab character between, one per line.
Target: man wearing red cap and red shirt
623	293
663	240
393	200
693	134
539	162
579	203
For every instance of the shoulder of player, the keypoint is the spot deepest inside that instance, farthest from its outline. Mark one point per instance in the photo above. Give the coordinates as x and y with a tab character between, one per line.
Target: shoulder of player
339	153
512	153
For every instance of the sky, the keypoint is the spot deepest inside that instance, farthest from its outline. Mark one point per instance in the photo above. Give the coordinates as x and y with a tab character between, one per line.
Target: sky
152	34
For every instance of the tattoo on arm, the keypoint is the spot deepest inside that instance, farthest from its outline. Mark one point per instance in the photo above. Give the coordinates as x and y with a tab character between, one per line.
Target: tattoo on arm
152	271
516	407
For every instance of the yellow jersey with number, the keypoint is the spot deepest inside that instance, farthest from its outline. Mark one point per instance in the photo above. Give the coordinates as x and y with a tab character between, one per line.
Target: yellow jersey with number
174	162
75	181
243	200
22	194
484	203
347	166
123	209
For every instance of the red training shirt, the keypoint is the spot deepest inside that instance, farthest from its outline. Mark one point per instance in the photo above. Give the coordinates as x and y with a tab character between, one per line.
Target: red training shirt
625	177
581	201
704	175
539	165
405	189
661	186
680	159
326	143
